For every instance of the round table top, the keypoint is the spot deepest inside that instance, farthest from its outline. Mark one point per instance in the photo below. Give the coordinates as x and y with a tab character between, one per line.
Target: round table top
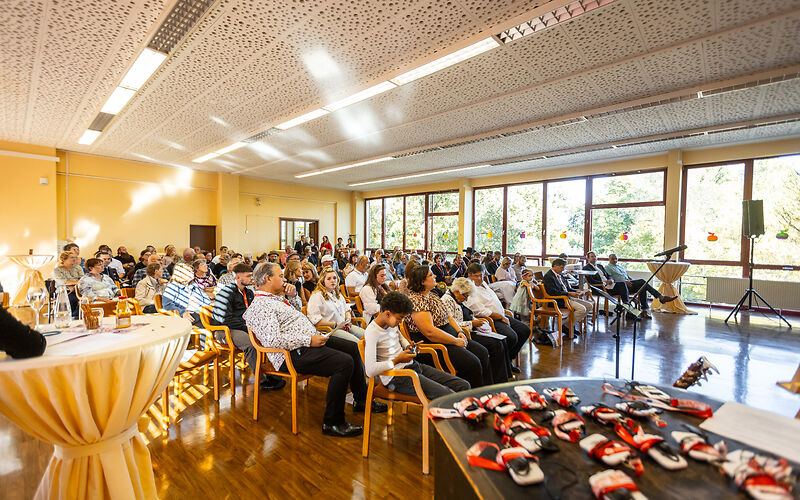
696	481
669	263
63	350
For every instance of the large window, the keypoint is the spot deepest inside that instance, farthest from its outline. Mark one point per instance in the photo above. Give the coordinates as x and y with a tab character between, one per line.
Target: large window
374	223
566	209
489	219
524	234
443	230
415	222
393	232
777	182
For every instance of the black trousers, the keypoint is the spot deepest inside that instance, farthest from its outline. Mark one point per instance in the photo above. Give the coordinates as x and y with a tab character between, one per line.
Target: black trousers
339	360
516	334
499	362
471	362
636	285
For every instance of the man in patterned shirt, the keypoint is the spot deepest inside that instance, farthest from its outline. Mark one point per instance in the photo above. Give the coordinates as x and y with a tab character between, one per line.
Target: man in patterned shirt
275	319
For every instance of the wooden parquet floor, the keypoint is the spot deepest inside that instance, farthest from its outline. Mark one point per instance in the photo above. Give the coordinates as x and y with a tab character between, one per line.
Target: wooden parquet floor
215	449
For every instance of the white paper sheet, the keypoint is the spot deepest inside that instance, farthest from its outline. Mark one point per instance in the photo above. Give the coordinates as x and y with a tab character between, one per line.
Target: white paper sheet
757	428
489	334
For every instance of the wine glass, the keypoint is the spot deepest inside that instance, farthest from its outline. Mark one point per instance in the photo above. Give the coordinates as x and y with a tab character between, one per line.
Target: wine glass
37	296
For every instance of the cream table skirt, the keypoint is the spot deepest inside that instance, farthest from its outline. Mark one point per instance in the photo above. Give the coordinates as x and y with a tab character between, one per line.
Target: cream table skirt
85	396
668	275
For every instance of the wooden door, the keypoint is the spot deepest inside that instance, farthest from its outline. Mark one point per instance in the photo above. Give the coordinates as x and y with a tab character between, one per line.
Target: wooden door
313	231
204	237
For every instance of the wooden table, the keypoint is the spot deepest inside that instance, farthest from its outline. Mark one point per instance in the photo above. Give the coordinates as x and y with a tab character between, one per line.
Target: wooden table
85	397
454	478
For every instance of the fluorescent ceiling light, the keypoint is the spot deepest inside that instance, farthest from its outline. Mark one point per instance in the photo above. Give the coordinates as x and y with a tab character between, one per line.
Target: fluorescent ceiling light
205	157
302	119
343	167
232	147
360	96
421	174
144	67
446	61
89	137
118	99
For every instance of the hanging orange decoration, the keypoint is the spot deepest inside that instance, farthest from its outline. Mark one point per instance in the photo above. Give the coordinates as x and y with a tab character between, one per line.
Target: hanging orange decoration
415	234
563	235
446	236
712	237
782	235
489	234
624	236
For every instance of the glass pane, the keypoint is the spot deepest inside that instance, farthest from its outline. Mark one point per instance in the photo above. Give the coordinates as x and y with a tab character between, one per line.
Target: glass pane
374	223
283	234
394	223
444	233
777	182
628	188
525	219
631	233
566	202
444	202
693	283
488	219
714	205
415	222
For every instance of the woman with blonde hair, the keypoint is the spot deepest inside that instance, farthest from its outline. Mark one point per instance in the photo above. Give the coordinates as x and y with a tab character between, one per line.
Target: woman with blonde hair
327	307
292	274
68	272
504	271
310	279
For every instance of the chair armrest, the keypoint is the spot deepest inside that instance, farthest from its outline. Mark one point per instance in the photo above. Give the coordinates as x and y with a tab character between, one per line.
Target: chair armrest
432	352
360	321
405	372
165	312
509	313
219	328
445	355
324	329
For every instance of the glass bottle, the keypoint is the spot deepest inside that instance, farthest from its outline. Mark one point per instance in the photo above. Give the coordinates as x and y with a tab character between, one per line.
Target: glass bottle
62	311
123	314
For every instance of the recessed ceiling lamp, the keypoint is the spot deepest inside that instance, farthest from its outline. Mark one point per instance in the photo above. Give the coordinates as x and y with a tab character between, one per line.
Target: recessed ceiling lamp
205	157
302	119
360	96
421	174
232	147
117	100
89	137
343	167
446	61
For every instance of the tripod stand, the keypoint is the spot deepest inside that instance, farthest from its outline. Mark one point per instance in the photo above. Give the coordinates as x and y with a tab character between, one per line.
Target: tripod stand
750	292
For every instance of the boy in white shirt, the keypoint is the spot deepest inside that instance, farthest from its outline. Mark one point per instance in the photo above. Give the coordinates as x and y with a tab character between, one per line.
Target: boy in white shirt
385	349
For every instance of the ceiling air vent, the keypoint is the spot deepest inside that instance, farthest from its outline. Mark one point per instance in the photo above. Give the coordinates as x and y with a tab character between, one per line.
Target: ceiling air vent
180	20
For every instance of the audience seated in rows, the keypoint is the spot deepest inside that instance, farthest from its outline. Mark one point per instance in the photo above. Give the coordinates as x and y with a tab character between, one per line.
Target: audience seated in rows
385	349
357	277
327	307
275	319
151	285
139	275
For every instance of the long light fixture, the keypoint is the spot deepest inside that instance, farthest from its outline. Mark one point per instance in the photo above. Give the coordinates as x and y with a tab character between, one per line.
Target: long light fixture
446	61
360	96
117	100
343	167
302	119
232	147
421	174
89	137
205	157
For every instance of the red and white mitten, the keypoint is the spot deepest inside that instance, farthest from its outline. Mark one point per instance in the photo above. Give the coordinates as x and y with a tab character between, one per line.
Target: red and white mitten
529	398
498	403
563	396
611	453
614	485
641	409
653	445
484	454
567	425
521	465
602	414
697	447
762	478
519	429
470	409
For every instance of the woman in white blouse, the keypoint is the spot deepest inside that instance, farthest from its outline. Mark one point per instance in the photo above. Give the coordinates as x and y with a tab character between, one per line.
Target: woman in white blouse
95	285
327	307
373	291
504	272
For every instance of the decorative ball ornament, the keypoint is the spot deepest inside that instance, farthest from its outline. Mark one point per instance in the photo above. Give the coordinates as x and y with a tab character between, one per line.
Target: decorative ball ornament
489	234
522	234
782	235
374	236
563	235
415	234
624	236
446	236
712	237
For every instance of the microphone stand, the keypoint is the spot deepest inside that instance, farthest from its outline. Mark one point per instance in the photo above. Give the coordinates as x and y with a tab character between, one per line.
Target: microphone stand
619	308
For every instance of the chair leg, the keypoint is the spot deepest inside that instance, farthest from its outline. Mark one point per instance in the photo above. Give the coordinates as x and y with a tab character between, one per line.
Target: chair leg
256	390
367	419
405	405
216	378
390	413
232	372
165	406
294	405
425	443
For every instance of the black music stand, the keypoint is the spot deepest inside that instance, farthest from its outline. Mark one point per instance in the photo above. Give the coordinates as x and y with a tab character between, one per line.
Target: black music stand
621	307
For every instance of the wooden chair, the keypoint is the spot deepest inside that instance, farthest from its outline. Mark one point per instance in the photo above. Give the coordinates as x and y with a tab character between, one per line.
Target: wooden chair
538	276
229	346
109	308
439	348
566	307
160	308
192	359
348	295
135	306
4	297
128	292
263	365
359	306
542	308
376	390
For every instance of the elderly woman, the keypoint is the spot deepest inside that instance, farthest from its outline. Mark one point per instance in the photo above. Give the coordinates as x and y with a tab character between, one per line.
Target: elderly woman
430	322
183	295
147	289
202	277
95	285
327	307
68	272
504	271
373	291
455	300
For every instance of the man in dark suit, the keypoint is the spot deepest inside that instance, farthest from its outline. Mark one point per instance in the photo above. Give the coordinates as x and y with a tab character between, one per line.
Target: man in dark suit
603	278
298	245
554	284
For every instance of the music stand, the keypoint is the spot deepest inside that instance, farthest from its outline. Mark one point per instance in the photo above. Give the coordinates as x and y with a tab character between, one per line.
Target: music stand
620	307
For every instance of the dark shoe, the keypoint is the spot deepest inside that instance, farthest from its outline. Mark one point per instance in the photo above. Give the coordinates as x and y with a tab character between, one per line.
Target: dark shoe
272	383
664	300
515	368
645	315
377	407
342	430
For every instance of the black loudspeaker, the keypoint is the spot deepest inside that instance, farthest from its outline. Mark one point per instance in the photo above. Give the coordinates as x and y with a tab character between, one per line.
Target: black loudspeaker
752	218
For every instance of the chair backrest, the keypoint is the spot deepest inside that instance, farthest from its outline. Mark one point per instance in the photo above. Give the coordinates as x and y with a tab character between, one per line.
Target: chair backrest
260	347
205	316
304	310
4	296
135	306
404	330
538	290
361	343
128	292
538	275
359	305
109	308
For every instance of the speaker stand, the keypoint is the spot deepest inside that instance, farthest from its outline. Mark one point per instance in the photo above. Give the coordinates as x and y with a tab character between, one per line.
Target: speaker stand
751	293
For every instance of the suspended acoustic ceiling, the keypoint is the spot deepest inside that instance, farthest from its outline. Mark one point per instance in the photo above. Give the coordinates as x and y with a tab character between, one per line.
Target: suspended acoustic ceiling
584	75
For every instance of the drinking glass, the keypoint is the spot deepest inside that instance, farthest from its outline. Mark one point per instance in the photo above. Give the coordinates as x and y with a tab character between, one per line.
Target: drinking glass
37	296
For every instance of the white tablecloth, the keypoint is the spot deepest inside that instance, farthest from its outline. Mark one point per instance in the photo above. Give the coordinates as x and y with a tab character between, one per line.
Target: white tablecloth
85	396
669	274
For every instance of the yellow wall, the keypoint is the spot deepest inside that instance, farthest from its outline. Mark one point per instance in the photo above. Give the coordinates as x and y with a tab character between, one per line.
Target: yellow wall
27	216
